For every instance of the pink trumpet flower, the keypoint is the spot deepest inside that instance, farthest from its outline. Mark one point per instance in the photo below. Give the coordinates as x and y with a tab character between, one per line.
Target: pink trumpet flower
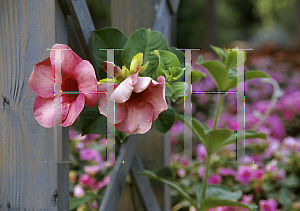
138	102
77	75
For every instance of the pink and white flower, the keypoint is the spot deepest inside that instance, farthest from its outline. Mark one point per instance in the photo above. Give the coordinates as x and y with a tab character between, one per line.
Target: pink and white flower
138	101
77	76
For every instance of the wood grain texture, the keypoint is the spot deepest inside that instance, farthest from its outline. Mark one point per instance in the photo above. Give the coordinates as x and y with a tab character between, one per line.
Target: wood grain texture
130	15
27	29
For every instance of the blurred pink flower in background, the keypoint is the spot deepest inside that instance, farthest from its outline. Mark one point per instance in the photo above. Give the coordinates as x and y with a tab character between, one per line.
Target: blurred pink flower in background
92	170
94	205
85	179
227	171
177	128
268	205
201	172
201	153
272	166
215	179
78	191
104	182
246	199
244	174
181	172
185	161
259	174
90	154
280	174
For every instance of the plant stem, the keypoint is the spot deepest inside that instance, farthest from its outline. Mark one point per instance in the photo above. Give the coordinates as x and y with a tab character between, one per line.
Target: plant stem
220	101
221	97
206	175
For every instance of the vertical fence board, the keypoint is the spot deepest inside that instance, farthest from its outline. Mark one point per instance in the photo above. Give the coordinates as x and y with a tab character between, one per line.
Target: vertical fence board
27	29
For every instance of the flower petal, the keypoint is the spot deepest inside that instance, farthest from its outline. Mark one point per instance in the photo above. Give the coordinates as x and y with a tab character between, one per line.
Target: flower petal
139	118
44	111
85	75
74	110
142	84
41	80
155	95
123	92
120	108
69	59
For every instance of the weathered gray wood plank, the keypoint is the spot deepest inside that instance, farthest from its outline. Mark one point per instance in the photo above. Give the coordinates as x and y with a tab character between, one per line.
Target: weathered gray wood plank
84	26
27	29
143	185
117	181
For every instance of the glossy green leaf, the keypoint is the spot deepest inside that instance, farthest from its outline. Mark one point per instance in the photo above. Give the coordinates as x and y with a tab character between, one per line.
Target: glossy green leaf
92	121
171	184
167	60
107	38
164	172
179	54
178	89
231	59
168	90
212	202
248	76
144	41
199	129
165	120
218	191
176	72
200	60
197	75
216	139
219	74
240	135
121	135
77	201
220	52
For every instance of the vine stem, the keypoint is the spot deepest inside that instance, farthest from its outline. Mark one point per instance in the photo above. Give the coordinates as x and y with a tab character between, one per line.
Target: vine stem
220	101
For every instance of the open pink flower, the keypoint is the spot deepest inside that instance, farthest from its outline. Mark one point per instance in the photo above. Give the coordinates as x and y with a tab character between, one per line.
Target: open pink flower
138	102
77	76
244	174
268	205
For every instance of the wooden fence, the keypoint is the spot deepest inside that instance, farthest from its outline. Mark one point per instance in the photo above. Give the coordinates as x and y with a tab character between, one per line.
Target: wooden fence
34	160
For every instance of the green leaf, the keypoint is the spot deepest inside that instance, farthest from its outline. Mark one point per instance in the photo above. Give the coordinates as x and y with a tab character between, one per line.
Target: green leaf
219	74
211	202
197	75
167	60
107	38
232	73
286	197
216	139
168	90
200	60
179	54
77	201
248	76
92	121
144	41
164	172
176	72
165	120
231	59
171	184
178	89
240	135
218	191
199	129
291	181
220	52
121	135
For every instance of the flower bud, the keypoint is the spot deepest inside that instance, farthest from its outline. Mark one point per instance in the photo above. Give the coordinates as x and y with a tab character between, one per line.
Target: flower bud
136	63
125	72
